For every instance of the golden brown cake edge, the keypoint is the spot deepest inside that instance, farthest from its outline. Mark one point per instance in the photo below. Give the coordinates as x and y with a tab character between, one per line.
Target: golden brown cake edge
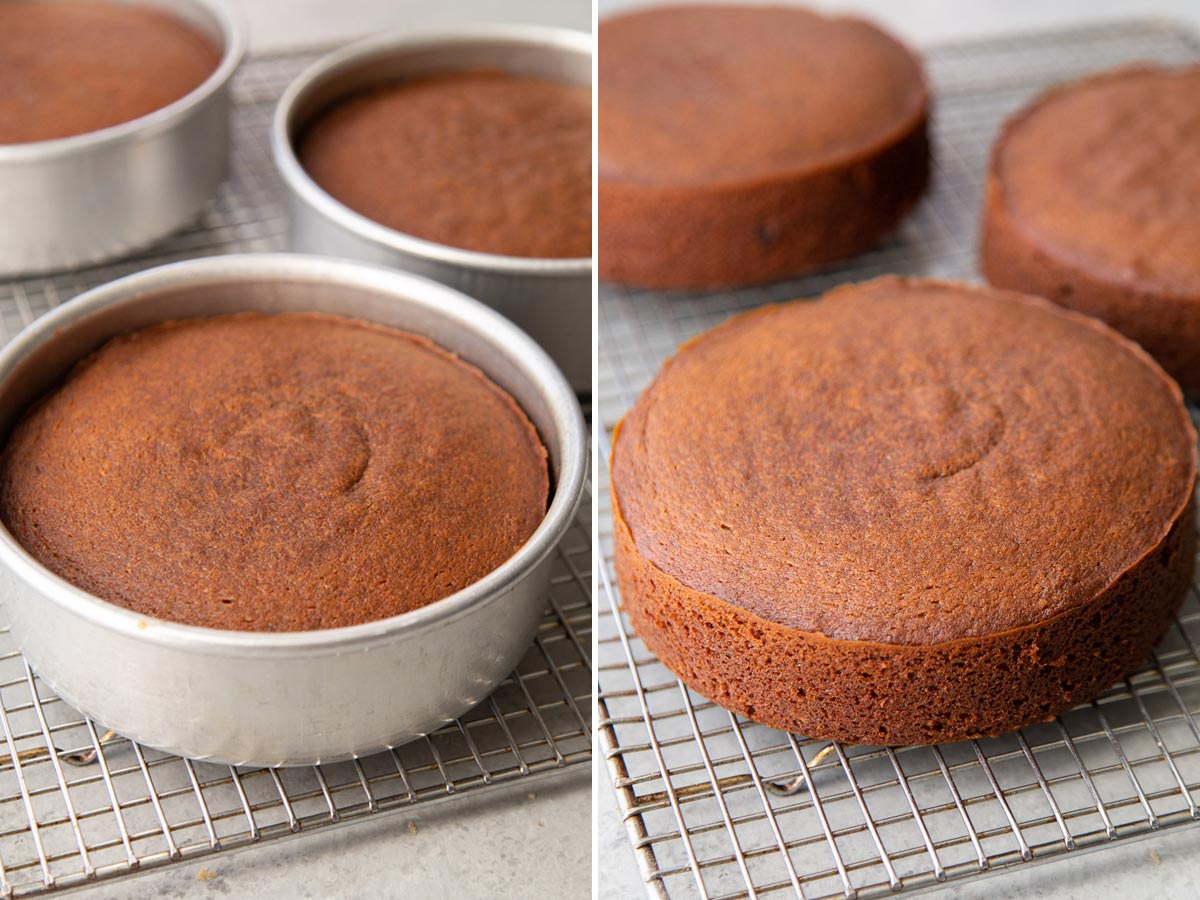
876	693
1166	325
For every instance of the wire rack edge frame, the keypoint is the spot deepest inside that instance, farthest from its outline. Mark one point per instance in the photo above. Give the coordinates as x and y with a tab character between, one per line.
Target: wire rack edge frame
344	821
610	746
134	810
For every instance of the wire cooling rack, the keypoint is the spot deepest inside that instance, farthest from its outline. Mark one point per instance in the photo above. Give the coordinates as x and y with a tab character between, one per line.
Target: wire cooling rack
720	807
78	804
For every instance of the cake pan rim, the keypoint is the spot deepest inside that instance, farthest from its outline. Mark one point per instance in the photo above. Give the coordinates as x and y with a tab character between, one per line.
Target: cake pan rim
345	59
233	35
437	298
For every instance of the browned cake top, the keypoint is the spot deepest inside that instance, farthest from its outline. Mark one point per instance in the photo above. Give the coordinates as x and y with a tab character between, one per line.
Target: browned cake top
731	93
273	473
75	66
481	160
1105	174
905	461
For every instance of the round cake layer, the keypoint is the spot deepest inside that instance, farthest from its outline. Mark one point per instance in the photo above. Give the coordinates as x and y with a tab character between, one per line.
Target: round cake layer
912	512
481	160
273	473
76	66
1093	201
742	144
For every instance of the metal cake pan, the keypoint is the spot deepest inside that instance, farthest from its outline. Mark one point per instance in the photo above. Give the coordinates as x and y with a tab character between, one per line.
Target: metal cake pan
294	698
549	298
88	198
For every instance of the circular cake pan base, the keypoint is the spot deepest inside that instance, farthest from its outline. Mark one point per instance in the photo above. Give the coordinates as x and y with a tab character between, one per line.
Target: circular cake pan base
288	698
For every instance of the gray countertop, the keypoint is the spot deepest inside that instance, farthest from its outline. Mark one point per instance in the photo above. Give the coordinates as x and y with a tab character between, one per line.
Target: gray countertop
526	840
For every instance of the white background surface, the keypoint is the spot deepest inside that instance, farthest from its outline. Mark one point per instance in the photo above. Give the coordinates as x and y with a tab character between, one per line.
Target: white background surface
1162	868
275	24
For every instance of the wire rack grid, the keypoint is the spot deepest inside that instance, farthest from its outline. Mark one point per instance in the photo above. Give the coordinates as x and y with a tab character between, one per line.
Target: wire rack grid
717	806
77	803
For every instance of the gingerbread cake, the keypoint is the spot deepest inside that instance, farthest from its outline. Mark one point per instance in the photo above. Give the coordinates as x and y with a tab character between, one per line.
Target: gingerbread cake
1093	201
911	512
743	144
482	160
273	473
76	66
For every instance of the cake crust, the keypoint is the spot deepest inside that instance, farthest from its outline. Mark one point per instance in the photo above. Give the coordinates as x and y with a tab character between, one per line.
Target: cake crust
482	160
77	66
934	538
749	144
1093	201
273	473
